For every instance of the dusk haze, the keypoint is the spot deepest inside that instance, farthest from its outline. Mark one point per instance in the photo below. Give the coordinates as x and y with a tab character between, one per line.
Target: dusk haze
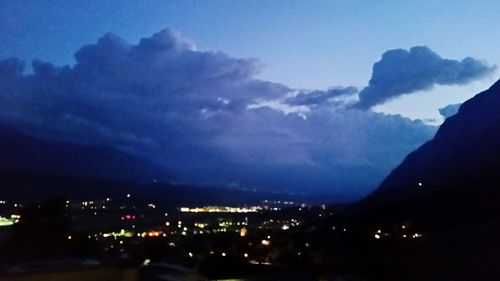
249	140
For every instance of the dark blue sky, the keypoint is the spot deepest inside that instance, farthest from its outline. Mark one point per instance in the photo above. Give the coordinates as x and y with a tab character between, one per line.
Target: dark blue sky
255	93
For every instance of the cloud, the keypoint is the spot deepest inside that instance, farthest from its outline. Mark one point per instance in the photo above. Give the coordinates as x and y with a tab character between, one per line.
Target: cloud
401	72
119	92
334	148
449	110
318	97
205	117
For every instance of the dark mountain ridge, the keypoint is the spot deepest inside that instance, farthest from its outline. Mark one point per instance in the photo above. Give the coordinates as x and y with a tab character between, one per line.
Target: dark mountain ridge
465	153
448	191
451	181
21	153
37	187
33	169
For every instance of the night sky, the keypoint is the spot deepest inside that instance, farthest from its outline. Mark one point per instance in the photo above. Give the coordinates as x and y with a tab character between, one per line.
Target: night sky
309	96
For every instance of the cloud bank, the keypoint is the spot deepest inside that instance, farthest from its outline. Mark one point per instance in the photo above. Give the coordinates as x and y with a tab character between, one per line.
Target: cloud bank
401	72
205	116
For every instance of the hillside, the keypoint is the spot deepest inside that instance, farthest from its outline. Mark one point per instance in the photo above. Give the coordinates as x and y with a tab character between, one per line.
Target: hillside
450	181
21	153
465	152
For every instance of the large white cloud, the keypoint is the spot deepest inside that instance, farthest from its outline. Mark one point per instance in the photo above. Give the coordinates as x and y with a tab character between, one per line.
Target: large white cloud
195	112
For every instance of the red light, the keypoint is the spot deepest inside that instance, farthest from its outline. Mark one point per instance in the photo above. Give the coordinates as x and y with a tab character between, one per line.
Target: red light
133	217
128	217
123	218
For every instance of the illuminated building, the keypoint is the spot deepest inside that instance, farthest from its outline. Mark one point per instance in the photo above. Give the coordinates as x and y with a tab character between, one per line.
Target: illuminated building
243	232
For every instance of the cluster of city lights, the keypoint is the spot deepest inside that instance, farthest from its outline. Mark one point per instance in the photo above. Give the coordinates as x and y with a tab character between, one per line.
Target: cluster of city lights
122	233
128	217
200	225
417	235
152	233
221	209
8	222
379	234
279	202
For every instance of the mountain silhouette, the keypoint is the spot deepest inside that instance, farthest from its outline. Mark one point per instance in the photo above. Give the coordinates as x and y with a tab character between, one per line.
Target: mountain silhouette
22	153
465	152
452	180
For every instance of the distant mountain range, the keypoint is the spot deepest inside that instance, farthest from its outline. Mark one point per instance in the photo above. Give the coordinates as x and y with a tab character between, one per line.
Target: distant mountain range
32	168
29	187
21	153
